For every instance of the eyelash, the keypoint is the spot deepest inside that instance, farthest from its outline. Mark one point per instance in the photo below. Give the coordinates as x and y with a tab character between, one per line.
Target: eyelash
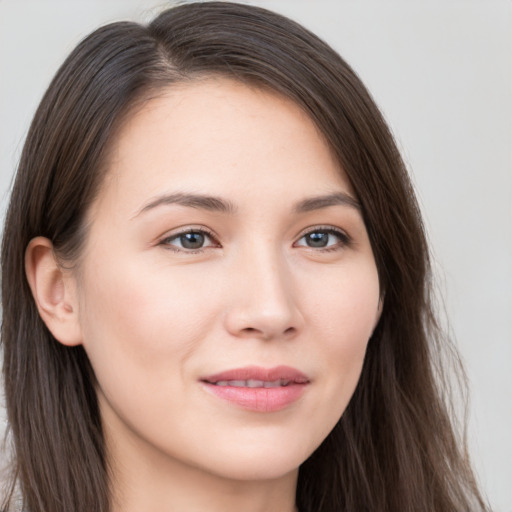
344	239
190	230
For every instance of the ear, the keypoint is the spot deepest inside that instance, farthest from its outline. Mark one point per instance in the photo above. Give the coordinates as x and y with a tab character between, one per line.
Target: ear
54	292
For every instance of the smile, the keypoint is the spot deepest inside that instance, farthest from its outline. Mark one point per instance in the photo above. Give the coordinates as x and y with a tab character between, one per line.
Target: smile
258	389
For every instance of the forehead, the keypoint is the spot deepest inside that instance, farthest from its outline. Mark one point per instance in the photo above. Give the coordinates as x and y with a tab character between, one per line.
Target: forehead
223	137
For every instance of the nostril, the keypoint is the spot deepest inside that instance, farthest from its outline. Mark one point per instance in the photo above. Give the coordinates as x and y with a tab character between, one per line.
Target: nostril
250	330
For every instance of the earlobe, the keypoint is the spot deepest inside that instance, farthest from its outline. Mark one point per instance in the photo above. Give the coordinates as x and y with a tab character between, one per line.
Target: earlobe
53	291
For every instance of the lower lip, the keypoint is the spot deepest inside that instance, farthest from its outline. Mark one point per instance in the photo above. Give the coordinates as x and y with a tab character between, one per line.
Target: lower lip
259	399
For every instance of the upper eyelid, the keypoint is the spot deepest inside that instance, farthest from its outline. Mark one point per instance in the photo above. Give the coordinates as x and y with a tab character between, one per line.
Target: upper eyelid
322	227
188	229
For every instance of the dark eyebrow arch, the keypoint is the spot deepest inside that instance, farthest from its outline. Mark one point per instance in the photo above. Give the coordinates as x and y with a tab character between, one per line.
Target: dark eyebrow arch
202	202
319	202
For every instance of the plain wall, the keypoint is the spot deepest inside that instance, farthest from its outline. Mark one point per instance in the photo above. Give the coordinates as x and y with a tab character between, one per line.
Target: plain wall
441	71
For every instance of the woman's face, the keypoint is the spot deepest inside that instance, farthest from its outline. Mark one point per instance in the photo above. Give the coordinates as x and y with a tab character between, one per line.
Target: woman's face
228	288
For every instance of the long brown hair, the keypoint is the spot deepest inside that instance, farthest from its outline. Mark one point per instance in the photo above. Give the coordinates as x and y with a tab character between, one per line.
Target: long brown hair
394	449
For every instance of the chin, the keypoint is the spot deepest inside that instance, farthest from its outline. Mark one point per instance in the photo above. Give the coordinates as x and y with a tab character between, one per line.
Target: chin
258	461
258	470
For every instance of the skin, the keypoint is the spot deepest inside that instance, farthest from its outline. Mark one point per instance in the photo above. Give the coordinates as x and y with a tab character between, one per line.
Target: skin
155	317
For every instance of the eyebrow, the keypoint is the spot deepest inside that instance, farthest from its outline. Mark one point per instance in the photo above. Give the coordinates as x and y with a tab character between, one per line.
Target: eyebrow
217	204
199	201
319	202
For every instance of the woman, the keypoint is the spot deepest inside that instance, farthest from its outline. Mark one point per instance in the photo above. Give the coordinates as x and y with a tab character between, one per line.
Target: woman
224	299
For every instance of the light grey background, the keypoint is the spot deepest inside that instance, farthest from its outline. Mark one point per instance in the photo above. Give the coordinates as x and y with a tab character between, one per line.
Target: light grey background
441	70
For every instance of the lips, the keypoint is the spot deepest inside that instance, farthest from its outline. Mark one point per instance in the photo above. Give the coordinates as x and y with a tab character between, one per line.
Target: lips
258	389
253	383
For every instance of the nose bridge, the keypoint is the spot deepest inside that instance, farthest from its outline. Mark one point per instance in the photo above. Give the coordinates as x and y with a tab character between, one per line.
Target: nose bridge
270	276
263	303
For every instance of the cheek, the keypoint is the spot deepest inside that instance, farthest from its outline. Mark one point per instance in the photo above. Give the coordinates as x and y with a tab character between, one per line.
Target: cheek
141	324
343	316
346	306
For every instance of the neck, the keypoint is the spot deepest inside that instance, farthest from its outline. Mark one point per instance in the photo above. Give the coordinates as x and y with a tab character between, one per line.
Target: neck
198	494
143	480
188	489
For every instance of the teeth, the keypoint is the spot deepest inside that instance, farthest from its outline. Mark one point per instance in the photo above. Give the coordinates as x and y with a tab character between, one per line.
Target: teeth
276	383
253	383
237	383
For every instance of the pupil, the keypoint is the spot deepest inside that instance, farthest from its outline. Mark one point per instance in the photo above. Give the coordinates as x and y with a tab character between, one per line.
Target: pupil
318	239
192	240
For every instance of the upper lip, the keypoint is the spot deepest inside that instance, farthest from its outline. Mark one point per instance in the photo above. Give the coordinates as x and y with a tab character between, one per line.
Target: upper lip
259	373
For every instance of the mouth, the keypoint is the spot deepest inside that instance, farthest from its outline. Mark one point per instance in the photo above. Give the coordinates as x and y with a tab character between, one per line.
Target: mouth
253	383
258	389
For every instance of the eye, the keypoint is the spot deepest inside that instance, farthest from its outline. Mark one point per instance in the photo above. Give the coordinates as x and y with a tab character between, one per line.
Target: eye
191	240
323	238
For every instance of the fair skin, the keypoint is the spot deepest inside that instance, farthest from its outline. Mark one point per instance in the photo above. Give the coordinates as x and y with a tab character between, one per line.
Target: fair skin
172	289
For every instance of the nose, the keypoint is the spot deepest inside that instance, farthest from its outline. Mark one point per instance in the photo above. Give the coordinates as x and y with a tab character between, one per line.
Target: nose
263	300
